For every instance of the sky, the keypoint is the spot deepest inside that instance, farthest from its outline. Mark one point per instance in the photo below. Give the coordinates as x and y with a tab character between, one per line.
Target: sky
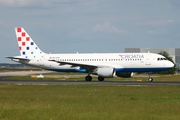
90	26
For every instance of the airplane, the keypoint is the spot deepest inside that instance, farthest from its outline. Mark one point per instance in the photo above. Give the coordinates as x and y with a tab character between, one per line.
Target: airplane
104	65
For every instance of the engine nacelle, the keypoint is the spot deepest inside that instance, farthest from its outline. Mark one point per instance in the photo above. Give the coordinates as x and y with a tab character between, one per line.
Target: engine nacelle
124	74
106	72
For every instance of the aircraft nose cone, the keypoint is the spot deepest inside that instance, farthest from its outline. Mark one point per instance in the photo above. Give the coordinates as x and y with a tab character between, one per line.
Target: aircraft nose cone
171	64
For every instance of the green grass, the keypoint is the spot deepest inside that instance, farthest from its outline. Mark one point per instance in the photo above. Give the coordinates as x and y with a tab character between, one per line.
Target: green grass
89	102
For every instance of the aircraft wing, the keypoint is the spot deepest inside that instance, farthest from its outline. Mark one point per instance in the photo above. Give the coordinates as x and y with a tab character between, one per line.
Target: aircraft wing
75	64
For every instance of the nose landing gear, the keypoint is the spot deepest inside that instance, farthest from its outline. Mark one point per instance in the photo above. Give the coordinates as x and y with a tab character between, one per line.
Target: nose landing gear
150	78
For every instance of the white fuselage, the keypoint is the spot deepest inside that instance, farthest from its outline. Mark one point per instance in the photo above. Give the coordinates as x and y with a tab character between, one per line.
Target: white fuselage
125	62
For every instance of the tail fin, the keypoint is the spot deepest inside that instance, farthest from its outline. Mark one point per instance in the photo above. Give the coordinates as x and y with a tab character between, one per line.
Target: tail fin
28	48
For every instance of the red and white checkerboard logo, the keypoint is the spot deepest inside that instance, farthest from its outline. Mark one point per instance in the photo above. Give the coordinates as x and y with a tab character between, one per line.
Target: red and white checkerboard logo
27	46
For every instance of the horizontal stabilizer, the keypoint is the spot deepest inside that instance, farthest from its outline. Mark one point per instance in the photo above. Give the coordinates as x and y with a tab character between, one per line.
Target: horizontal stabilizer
18	58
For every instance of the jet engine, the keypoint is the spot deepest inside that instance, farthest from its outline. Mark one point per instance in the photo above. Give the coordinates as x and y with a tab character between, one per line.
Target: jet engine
106	72
124	74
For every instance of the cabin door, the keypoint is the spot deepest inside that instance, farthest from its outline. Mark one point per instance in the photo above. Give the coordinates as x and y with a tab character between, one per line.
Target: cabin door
148	59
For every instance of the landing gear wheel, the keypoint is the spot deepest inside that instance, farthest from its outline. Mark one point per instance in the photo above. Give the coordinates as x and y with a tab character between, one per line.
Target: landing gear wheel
150	79
100	78
88	78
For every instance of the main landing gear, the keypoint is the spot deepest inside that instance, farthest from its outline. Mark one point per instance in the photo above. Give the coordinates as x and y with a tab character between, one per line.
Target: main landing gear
89	78
100	78
150	78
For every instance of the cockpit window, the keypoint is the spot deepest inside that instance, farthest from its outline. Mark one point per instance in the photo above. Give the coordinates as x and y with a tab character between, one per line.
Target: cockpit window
161	59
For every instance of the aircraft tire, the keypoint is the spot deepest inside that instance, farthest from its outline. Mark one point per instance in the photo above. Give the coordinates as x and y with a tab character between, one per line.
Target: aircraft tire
100	78
150	79
88	78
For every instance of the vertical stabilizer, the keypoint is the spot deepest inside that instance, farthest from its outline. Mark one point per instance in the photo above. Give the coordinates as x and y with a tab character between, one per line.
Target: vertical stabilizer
27	47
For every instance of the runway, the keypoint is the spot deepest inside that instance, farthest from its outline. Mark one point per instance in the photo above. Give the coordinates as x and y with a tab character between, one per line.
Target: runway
4	80
66	82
